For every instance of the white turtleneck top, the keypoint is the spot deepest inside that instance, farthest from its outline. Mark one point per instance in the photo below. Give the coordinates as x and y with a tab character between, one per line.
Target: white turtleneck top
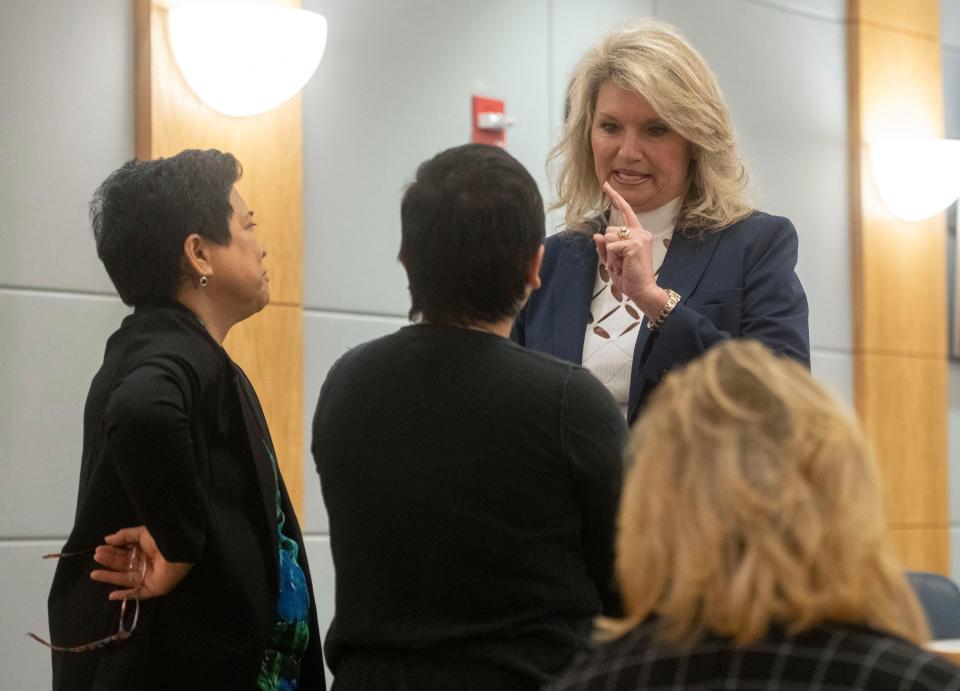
611	333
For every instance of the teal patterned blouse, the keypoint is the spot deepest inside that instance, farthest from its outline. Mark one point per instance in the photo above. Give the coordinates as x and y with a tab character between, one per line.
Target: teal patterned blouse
291	631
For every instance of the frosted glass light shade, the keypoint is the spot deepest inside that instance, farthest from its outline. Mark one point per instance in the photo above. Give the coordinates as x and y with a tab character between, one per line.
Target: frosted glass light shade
244	59
916	178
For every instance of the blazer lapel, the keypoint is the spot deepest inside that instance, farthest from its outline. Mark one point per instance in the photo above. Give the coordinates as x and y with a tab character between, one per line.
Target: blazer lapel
261	450
683	266
686	260
577	272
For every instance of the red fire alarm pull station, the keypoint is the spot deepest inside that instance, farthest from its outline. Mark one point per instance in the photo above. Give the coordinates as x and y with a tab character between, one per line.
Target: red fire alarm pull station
490	123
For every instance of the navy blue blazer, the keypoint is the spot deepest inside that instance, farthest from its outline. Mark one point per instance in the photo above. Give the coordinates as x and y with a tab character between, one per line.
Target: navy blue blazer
738	282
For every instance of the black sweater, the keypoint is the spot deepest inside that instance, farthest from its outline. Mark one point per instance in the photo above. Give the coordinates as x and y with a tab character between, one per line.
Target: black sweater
472	488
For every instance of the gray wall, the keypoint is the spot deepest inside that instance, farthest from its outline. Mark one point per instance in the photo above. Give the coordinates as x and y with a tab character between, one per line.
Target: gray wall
950	52
393	89
65	122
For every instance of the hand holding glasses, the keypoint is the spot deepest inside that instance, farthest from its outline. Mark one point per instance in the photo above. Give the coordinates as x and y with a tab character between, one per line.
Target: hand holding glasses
134	574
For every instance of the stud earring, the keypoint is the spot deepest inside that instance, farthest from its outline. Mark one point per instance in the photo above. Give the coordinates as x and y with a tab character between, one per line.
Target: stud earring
203	280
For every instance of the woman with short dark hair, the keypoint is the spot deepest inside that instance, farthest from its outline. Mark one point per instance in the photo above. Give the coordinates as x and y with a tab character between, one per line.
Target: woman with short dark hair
470	483
456	223
216	592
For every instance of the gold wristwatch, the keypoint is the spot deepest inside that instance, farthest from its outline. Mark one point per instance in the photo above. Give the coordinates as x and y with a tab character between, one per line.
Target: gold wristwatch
673	299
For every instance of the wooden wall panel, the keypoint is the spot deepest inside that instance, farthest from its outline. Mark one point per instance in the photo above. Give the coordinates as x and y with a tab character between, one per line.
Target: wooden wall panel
904	287
919	16
268	347
904	97
902	404
170	118
899	275
922	549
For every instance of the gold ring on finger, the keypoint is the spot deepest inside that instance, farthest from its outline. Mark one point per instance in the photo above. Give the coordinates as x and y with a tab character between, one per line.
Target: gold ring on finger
623	232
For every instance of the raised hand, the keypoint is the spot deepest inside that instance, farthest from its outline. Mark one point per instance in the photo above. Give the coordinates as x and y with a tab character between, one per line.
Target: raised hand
628	256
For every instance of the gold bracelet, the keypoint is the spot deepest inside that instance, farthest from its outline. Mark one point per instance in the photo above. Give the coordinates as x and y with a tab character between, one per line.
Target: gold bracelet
673	299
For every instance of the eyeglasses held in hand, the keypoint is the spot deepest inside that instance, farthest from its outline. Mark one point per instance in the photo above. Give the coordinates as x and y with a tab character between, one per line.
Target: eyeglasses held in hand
137	567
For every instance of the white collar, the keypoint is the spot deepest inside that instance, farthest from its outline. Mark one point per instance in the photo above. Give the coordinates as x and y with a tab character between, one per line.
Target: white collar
658	222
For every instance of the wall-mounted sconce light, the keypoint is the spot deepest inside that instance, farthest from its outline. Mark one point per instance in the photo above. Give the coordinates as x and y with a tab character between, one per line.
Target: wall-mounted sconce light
916	178
244	59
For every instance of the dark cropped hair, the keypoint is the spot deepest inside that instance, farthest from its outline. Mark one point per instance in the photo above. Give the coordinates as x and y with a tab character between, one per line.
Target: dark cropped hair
472	221
144	210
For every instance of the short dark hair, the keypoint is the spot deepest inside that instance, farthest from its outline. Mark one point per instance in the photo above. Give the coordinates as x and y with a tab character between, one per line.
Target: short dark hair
144	210
472	221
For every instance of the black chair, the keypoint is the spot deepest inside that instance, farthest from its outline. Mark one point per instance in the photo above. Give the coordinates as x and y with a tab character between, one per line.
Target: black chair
940	599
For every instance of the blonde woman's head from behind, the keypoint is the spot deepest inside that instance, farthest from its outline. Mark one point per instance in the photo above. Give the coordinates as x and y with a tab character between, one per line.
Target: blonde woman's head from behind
752	500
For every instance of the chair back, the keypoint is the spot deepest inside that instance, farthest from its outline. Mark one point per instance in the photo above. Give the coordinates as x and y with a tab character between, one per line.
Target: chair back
940	598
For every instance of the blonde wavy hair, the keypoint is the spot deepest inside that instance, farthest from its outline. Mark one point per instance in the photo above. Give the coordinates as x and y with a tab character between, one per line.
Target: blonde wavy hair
753	500
652	59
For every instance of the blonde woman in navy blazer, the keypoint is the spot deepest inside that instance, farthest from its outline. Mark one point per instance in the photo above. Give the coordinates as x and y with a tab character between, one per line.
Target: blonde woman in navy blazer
648	136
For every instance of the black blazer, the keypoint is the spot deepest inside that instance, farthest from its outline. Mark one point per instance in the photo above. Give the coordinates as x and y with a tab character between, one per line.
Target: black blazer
169	443
735	283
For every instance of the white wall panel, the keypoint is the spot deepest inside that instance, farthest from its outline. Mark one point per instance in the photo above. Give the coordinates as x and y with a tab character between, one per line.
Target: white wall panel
834	369
950	37
321	573
25	582
784	77
950	59
575	26
52	345
819	9
950	22
394	89
67	121
327	336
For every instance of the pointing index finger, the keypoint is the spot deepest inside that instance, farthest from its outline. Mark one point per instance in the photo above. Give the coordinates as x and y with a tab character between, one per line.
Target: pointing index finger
626	211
